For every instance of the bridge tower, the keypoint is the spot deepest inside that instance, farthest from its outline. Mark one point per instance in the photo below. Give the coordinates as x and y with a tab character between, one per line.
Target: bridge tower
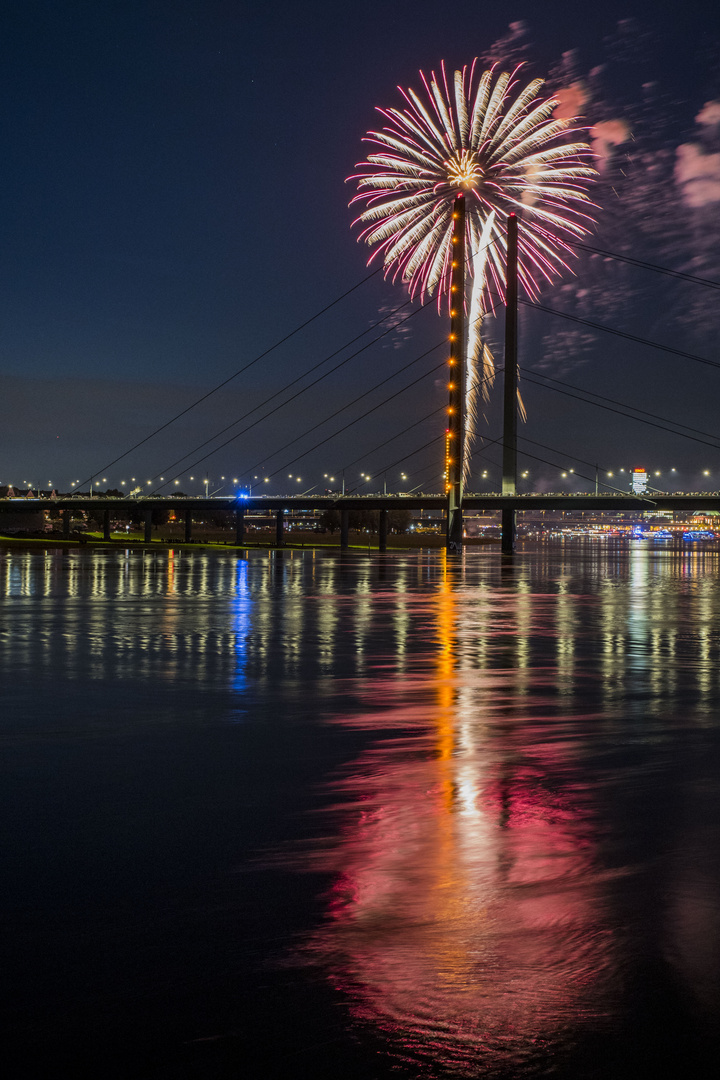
455	430
510	386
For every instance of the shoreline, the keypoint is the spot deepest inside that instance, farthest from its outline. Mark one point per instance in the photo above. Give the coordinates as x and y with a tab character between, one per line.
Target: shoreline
222	545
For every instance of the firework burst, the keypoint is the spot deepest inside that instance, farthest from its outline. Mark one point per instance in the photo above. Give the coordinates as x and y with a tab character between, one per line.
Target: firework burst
501	148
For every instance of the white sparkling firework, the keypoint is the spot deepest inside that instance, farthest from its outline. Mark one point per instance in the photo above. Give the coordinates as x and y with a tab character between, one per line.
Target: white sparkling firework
502	149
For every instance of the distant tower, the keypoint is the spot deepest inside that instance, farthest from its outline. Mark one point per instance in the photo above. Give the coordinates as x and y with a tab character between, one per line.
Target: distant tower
639	481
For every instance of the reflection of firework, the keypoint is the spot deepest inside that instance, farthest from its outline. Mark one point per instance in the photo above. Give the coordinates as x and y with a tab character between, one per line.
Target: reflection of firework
466	917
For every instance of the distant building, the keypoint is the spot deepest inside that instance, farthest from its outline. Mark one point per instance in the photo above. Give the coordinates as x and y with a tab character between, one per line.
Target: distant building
14	520
639	481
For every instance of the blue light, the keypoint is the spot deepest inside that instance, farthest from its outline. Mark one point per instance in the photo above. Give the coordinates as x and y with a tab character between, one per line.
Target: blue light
242	495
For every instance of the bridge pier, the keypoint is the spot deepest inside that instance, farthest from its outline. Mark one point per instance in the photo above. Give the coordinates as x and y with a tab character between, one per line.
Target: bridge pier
148	525
279	521
240	525
344	528
509	525
65	515
383	531
188	526
106	524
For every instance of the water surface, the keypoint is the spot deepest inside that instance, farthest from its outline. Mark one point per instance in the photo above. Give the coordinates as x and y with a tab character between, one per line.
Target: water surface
312	814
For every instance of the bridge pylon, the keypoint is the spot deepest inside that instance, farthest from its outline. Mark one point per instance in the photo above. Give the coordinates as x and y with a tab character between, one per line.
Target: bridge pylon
455	430
510	386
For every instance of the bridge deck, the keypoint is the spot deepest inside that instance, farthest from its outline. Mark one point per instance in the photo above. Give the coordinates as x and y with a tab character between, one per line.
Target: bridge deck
485	501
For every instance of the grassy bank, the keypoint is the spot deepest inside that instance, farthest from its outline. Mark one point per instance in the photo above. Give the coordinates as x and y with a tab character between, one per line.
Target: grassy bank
217	539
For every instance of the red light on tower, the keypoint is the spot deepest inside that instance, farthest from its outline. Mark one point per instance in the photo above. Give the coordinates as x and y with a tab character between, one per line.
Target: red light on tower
639	481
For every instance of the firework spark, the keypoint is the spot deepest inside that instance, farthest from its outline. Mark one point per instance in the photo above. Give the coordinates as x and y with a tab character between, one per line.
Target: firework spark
504	151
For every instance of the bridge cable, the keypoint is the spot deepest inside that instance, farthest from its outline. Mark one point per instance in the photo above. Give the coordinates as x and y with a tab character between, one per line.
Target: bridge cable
554	465
421	307
622	404
609	330
639	419
287	386
299	457
353	402
397	435
240	371
620	333
364	415
645	265
297	394
349	405
261	356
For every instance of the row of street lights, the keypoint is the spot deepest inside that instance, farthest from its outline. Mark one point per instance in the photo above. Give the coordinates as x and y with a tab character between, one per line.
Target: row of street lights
135	486
223	482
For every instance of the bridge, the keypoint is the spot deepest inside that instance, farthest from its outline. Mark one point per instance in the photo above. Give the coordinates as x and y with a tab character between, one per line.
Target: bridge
456	500
190	509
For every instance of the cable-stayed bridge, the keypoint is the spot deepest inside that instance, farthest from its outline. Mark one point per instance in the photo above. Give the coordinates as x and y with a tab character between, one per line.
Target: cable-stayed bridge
428	457
191	510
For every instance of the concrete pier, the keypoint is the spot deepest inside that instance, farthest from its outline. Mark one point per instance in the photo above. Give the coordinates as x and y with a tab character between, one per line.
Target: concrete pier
509	528
188	526
148	525
344	528
106	524
279	520
240	525
383	530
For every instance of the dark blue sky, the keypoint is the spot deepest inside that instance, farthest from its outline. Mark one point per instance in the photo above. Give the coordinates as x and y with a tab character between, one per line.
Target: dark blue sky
172	201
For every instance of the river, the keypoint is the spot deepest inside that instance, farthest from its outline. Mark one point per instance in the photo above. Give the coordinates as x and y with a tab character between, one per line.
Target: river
312	814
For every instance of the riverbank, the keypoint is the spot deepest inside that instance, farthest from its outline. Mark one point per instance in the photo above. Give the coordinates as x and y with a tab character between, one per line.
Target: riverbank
219	541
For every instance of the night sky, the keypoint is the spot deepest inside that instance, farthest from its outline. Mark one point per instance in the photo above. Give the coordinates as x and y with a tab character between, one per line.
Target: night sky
172	203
